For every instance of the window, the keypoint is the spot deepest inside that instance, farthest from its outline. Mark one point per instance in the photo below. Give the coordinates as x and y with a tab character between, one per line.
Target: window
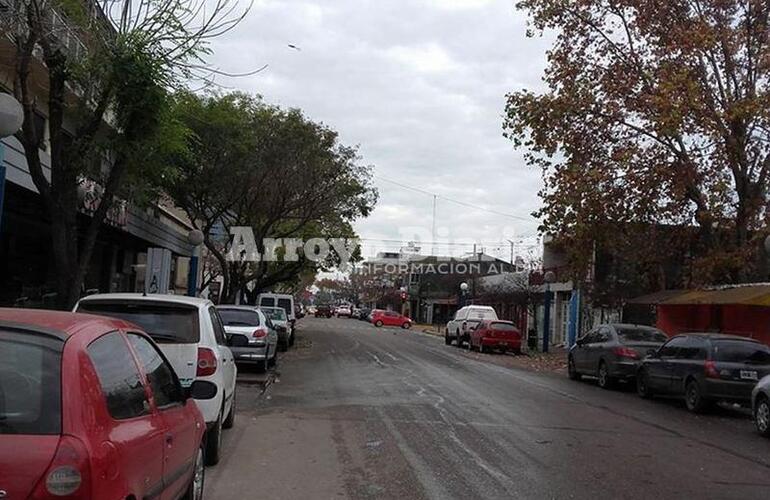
391	314
285	304
504	327
163	381
267	302
30	383
414	278
694	348
636	334
671	349
588	337
120	380
482	314
275	313
239	317
741	351
602	335
164	322
216	323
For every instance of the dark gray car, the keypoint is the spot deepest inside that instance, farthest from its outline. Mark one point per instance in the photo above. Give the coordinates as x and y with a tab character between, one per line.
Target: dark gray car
612	352
252	337
704	368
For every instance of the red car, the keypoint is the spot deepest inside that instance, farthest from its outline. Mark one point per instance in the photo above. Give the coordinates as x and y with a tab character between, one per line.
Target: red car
91	409
495	334
390	318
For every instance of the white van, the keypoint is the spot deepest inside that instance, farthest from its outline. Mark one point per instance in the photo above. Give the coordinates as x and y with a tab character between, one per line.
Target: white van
467	318
282	300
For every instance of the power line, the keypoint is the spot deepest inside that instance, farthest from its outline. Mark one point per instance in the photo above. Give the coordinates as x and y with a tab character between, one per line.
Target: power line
452	200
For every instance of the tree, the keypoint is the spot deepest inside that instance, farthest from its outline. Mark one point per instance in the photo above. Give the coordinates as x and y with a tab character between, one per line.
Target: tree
273	170
655	114
107	67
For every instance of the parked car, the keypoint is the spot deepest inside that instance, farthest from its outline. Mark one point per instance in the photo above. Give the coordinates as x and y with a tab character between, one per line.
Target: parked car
364	313
344	311
760	404
283	300
190	333
323	311
390	318
252	336
704	368
373	313
91	408
459	328
356	313
612	352
281	324
495	335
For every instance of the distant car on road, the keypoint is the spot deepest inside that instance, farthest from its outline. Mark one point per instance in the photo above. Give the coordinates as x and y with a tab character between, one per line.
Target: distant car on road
705	368
190	333
459	328
323	311
91	408
612	352
252	336
495	336
760	403
390	318
344	311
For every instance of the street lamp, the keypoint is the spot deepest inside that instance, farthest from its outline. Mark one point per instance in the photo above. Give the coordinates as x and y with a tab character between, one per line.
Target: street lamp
195	238
549	277
11	120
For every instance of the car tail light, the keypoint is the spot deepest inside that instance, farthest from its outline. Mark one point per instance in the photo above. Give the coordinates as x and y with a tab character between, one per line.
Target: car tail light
260	333
711	369
69	475
207	362
625	352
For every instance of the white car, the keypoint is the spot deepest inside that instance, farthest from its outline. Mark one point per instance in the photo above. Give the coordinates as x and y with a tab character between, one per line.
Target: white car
190	333
344	311
467	318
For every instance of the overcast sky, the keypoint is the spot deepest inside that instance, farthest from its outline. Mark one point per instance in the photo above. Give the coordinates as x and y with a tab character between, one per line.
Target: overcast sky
420	86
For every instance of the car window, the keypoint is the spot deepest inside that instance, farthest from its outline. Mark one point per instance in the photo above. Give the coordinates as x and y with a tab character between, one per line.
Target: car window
164	322
239	317
267	302
274	313
636	334
30	383
588	337
741	351
163	381
285	304
504	327
391	313
672	347
219	329
119	377
603	334
482	314
270	323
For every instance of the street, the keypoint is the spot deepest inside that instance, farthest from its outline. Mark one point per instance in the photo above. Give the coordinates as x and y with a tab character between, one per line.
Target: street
362	412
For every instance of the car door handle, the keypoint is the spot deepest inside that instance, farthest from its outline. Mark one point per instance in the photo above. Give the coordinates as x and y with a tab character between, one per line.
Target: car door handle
169	439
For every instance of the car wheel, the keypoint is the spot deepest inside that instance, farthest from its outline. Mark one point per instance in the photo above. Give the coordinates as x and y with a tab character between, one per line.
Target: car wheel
693	398
378	323
459	339
447	340
571	370
291	339
406	326
643	384
482	349
230	420
603	375
195	489
214	442
762	416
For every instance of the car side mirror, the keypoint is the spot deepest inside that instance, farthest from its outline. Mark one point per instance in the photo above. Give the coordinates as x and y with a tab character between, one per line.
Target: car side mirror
201	389
652	353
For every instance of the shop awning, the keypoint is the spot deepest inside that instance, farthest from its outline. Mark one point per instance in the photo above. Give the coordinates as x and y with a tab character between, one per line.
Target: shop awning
754	295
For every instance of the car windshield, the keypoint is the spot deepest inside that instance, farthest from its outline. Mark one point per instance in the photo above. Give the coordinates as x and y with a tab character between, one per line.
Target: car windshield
30	383
275	314
480	314
633	334
239	317
503	327
164	322
731	351
285	304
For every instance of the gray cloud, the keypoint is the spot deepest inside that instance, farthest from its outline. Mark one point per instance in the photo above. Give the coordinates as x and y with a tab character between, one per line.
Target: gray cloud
420	86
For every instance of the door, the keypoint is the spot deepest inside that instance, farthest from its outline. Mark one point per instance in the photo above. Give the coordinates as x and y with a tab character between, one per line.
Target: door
580	352
225	357
599	348
136	436
391	318
180	431
659	369
690	357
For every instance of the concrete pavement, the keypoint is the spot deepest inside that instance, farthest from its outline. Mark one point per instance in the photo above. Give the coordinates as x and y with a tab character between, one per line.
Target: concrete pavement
359	412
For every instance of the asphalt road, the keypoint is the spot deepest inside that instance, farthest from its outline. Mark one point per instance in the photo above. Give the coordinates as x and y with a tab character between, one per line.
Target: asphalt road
359	412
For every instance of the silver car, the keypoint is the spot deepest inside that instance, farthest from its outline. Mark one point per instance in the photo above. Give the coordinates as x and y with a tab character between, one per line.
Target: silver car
760	402
252	336
282	325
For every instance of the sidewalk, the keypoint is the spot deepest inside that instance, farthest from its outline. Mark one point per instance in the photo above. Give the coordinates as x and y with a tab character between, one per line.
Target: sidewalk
553	361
